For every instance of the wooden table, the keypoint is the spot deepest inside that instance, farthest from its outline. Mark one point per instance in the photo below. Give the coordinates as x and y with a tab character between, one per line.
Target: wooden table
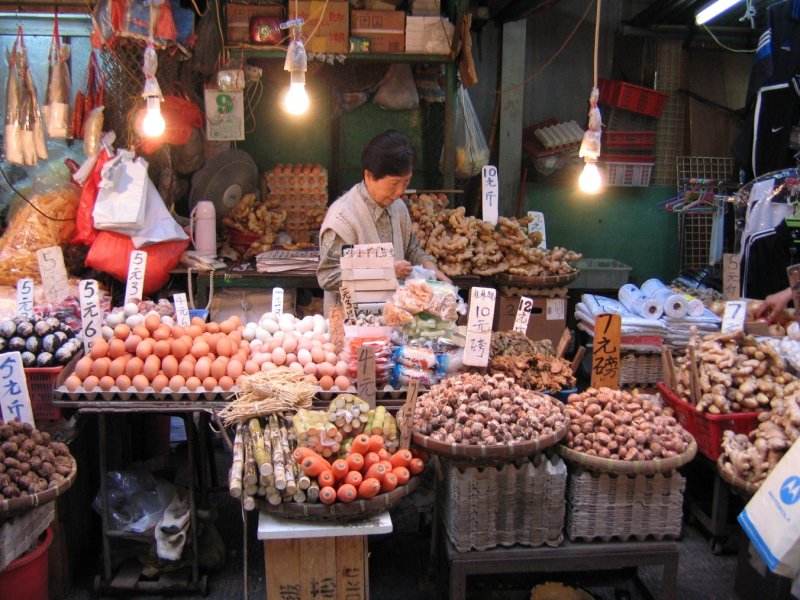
318	559
569	556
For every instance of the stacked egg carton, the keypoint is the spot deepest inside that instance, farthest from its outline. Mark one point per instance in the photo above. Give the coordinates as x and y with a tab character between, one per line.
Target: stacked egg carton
302	191
559	135
511	503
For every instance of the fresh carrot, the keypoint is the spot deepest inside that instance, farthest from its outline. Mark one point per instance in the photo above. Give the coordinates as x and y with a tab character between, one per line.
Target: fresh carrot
299	453
340	468
389	482
377	471
360	444
355	461
346	493
369	488
386	465
384	454
402	475
326	479
370	458
375	442
416	466
422	453
327	495
354	478
313	465
401	458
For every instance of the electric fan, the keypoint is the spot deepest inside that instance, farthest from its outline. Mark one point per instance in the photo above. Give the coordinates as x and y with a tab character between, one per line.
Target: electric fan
224	180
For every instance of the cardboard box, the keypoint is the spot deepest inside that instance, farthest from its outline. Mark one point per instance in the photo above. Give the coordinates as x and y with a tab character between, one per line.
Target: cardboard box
237	18
547	321
333	34
385	29
428	35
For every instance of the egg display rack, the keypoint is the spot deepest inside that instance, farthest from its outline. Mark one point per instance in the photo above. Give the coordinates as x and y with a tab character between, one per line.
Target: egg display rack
302	191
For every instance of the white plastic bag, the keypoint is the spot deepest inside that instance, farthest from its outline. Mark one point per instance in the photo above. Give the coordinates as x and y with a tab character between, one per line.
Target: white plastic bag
121	195
398	90
159	226
472	151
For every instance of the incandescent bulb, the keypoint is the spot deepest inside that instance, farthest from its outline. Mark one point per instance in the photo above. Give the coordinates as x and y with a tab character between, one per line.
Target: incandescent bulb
153	124
296	100
589	182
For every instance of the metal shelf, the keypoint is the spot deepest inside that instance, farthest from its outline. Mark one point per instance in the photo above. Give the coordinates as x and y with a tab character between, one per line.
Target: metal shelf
261	52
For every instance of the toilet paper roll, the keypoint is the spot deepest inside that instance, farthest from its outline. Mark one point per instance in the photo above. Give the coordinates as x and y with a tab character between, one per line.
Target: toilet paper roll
675	306
634	300
696	306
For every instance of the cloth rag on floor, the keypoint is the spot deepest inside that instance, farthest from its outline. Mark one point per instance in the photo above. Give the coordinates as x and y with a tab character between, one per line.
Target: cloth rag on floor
171	531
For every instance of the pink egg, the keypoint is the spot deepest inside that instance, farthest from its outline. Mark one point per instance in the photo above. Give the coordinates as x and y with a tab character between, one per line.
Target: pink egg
309	368
315	343
317	355
251	367
289	343
325	368
291	357
341	368
273	343
329	347
341	382
279	356
261	357
318	337
297	367
303	356
331	357
304	344
268	366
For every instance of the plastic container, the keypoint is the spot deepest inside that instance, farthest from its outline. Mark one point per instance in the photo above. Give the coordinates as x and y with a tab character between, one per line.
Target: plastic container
203	228
26	577
706	428
629	140
241	240
634	98
600	274
41	383
628	174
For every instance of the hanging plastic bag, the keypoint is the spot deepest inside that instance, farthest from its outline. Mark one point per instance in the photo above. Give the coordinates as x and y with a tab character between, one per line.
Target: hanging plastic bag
89	176
93	131
398	91
120	202
158	226
12	139
59	87
472	152
23	113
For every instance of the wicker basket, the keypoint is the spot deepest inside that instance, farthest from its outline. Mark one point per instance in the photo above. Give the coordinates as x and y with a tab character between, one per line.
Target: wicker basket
12	507
516	503
641	369
606	506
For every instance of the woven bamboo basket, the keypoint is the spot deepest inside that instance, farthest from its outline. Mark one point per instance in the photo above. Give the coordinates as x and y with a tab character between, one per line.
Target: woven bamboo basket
641	368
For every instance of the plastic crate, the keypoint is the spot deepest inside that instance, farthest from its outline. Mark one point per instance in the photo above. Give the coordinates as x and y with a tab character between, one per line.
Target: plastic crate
629	140
634	98
706	428
41	383
600	274
628	174
618	119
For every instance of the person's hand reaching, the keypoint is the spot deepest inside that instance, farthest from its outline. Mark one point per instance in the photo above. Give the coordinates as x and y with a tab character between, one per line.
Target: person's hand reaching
402	268
774	305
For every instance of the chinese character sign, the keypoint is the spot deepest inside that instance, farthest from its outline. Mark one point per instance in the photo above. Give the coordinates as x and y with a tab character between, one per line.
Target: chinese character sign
730	277
134	290
25	298
347	304
14	400
53	272
365	375
523	315
537	224
479	326
491	194
734	316
606	365
277	301
181	309
91	321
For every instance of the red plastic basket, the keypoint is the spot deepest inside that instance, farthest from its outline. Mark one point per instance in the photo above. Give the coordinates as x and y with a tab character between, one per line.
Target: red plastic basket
629	140
241	240
634	98
41	383
707	428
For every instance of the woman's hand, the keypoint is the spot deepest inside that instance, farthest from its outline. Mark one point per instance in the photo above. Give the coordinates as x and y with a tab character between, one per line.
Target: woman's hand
402	268
773	305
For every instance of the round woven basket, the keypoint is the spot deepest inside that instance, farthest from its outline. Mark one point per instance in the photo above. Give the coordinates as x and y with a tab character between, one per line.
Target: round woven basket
340	511
632	467
740	484
14	506
489	452
546	281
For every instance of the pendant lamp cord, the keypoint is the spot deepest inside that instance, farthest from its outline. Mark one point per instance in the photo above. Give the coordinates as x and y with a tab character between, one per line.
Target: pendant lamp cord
596	39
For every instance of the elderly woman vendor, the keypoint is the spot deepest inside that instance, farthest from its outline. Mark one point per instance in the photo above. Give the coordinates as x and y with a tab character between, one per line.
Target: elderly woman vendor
371	213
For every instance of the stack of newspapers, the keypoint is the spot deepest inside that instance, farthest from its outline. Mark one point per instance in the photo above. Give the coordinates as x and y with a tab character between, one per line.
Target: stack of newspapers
294	262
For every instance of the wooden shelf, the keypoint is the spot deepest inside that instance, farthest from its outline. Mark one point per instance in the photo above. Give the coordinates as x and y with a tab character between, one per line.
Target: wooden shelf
261	52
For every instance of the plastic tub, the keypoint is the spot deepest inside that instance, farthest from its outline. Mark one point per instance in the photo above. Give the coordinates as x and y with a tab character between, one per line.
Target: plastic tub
26	577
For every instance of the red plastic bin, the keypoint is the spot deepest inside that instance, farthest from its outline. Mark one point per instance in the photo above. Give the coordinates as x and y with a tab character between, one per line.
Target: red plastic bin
634	98
41	383
707	428
629	140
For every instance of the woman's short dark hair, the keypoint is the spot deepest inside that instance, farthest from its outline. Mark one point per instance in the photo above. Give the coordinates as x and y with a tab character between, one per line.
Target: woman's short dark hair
388	154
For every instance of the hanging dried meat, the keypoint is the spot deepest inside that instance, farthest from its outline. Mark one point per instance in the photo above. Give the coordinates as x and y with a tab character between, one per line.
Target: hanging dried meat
59	87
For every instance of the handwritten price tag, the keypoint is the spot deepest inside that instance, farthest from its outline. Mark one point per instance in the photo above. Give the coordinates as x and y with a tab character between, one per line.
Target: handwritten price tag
277	301
134	290
730	277
537	224
365	382
25	298
523	315
91	322
479	326
181	309
54	273
336	326
734	316
14	399
490	193
606	351
347	304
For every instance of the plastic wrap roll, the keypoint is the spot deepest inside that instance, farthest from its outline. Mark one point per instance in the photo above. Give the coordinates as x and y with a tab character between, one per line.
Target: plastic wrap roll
635	301
674	305
696	307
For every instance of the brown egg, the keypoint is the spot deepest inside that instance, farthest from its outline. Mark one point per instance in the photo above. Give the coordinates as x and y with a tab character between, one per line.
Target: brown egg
134	367
116	348
106	383
209	383
152	365
211	339
227	326
195	331
99	348
225	382
117	366
72	383
122	331
235	337
178	331
279	356
200	348
145	349
186	368
142	331
240	380
100	367
123	382
235	368
240	356
152	322
289	343
160	382
83	367
251	367
331	357
317	354
326	368
203	368
310	369
132	342
237	322
91	382
326	382
193	383
176	383
212	327
224	347
169	364
199	322
341	382
162	332
218	368
162	348
179	349
140	382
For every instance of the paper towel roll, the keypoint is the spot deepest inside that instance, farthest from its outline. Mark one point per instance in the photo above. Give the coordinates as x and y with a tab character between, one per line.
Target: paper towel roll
675	305
696	306
634	300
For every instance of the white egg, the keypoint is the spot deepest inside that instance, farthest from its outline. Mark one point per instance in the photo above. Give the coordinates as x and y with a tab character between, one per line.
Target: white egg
255	345
134	320
167	320
319	327
131	308
107	332
308	334
793	330
249	333
269	325
326	337
303	357
278	335
114	319
152	312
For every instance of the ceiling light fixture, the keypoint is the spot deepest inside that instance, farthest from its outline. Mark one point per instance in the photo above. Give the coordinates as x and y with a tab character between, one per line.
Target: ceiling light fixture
296	100
590	181
713	10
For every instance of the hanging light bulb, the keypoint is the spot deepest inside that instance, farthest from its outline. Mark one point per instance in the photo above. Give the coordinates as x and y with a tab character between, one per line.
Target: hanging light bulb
590	181
296	100
153	124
